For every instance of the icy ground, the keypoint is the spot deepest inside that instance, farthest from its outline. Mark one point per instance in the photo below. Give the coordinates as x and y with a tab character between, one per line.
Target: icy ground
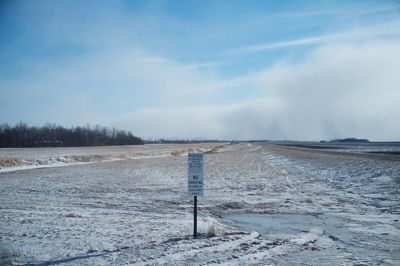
134	210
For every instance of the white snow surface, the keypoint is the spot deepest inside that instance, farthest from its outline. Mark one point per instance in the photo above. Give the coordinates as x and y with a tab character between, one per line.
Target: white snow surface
128	206
30	158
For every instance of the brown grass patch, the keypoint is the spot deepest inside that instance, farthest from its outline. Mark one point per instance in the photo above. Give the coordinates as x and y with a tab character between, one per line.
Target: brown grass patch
10	162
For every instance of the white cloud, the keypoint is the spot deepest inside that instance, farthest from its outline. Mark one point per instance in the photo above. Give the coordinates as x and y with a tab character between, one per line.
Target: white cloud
90	87
215	121
285	44
338	91
364	33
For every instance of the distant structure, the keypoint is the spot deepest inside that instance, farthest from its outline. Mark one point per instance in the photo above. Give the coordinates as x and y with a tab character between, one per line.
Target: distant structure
347	140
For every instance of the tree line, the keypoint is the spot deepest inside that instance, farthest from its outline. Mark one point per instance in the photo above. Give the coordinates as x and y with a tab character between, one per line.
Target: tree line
348	140
52	135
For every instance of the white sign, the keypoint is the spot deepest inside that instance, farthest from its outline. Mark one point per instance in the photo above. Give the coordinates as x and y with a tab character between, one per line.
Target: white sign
195	174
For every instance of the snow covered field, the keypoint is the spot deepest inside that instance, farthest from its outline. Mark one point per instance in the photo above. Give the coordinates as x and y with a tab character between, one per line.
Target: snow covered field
263	205
30	158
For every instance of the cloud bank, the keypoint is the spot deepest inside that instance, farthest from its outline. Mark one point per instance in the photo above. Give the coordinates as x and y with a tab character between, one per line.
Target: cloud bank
337	91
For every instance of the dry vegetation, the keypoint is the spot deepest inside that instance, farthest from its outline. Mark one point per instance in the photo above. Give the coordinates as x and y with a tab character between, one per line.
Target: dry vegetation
10	162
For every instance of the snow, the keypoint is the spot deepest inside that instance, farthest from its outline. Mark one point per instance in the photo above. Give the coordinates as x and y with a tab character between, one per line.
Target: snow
128	206
31	158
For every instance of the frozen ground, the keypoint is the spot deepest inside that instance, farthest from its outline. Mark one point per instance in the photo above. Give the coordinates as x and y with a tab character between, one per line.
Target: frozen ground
30	158
263	205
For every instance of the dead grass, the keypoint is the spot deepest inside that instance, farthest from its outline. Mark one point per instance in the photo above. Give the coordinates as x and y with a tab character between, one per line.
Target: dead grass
87	158
178	152
10	162
211	231
205	148
208	230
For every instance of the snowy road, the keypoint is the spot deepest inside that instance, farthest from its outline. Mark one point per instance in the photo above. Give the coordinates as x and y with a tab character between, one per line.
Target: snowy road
133	210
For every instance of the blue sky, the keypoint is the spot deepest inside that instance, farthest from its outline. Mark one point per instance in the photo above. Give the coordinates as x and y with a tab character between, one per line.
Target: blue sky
305	70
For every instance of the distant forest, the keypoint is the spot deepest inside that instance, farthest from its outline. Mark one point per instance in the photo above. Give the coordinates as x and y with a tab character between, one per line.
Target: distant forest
52	135
349	140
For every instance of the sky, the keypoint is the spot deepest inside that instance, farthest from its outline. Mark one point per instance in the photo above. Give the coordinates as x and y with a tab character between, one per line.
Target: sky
277	70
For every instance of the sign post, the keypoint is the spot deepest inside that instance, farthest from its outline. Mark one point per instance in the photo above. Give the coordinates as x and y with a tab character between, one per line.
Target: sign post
195	183
195	217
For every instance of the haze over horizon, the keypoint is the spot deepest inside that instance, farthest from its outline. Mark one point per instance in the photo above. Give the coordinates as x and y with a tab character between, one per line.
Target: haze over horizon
299	70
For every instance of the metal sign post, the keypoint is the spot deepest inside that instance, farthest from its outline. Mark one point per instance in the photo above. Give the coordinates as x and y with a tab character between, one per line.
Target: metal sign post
195	218
195	182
